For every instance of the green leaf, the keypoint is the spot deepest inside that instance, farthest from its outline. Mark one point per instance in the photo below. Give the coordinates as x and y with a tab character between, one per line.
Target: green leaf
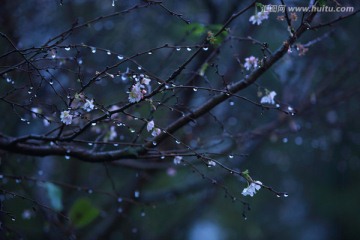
83	212
55	196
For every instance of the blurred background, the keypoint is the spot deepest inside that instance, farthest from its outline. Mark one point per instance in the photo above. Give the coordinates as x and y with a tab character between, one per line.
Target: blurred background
313	154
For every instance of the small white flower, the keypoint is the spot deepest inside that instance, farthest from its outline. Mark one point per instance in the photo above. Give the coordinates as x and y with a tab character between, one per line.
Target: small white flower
150	126
251	189
88	105
211	163
66	117
260	16
268	98
156	132
136	94
251	62
112	133
177	160
146	81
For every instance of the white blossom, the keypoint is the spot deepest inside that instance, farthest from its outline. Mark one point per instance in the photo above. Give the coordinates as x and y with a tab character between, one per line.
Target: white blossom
146	81
177	160
156	132
66	117
136	94
150	126
88	105
251	62
268	98
251	189
260	16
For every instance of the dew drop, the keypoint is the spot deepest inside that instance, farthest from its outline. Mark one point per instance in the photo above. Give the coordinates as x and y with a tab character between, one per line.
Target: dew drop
67	48
205	48
67	157
231	156
13	219
93	124
93	50
123	77
53	56
119	210
90	191
154	143
116	145
108	53
113	3
80	61
120	57
162	157
28	122
277	105
136	194
139	68
195	89
8	80
286	195
178	49
132	130
278	195
119	199
177	142
231	103
189	49
17	181
90	144
23	119
51	82
149	53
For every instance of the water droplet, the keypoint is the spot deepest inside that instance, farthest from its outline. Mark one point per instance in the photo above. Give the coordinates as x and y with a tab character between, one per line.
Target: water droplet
120	57
177	142
113	3
93	50
119	199
51	82
108	53
28	122
231	103
195	89
90	191
136	194
80	61
189	49
119	124
290	108
132	130
231	156
8	80
154	143
139	67
277	105
53	56
90	144
162	157
67	157
23	119
178	49
205	48
17	181
136	118
123	77
93	124
285	140
116	145
13	219
286	195
67	48
119	210
149	53
278	195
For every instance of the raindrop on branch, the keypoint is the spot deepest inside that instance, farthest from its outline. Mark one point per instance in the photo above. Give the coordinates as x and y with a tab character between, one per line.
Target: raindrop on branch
120	57
136	194
189	49
178	49
67	48
93	50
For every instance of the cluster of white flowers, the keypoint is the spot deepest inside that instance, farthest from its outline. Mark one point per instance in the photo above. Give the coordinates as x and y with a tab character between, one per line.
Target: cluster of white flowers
177	160
138	89
151	127
260	16
251	189
268	98
66	117
251	62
